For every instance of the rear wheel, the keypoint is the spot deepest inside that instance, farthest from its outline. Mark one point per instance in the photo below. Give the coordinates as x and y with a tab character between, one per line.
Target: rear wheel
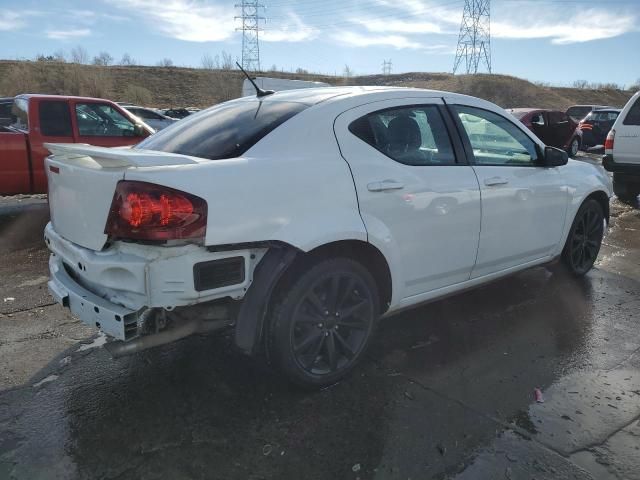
585	238
574	147
320	328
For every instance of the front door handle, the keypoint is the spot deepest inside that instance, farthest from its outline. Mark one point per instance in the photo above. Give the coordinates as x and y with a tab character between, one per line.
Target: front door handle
494	181
385	185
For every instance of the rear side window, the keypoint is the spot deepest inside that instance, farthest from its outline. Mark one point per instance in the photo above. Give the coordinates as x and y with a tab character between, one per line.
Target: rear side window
55	119
414	135
633	117
224	131
578	113
558	118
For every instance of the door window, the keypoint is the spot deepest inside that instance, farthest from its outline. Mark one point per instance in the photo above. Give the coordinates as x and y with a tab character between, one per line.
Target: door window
495	140
55	120
633	117
102	120
414	135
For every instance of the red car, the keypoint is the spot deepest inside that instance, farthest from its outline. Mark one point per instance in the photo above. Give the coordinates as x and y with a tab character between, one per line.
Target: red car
36	119
554	128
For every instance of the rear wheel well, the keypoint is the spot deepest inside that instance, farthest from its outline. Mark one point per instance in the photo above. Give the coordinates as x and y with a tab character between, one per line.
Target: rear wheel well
364	253
603	199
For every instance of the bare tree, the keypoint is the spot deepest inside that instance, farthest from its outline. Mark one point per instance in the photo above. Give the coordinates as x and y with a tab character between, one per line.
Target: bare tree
103	58
60	56
302	71
227	61
583	84
127	61
347	72
635	86
79	55
165	62
210	63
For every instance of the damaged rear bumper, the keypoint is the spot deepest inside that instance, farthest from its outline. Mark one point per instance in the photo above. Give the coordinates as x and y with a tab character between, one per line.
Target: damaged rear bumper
115	288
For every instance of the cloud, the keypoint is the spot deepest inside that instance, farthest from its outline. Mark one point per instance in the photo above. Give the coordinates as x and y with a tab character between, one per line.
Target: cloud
188	20
397	25
293	29
590	25
354	39
15	20
67	34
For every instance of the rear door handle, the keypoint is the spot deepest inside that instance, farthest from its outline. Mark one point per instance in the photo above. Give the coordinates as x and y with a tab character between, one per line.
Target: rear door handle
494	181
385	185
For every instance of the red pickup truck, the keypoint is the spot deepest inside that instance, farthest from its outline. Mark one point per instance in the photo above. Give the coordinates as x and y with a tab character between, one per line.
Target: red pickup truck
36	119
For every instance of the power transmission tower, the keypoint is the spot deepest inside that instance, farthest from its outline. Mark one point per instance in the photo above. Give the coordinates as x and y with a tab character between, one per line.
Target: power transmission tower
386	67
474	40
250	16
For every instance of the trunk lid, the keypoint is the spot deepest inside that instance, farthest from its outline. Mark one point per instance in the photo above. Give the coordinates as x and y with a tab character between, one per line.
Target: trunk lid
82	180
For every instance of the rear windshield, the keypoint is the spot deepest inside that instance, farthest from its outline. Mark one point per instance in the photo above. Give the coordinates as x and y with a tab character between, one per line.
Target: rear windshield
224	131
602	116
578	113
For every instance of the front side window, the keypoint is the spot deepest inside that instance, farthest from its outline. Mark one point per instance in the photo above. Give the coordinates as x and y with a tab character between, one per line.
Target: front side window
414	135
55	120
102	120
633	117
495	140
224	131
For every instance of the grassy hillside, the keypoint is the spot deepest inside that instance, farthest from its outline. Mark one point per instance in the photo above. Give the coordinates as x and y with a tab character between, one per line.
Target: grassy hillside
168	87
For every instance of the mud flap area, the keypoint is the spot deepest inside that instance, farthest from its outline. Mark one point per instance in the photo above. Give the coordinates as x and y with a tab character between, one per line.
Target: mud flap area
251	317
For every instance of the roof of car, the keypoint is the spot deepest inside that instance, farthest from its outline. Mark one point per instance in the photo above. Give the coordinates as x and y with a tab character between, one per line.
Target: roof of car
607	110
312	96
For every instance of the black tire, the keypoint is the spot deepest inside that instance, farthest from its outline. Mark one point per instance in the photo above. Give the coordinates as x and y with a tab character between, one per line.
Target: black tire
574	147
585	238
321	326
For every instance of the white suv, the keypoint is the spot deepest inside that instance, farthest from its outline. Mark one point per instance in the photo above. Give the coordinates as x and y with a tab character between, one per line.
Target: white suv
622	151
299	218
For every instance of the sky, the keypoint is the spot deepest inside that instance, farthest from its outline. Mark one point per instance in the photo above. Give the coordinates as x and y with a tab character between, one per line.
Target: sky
554	41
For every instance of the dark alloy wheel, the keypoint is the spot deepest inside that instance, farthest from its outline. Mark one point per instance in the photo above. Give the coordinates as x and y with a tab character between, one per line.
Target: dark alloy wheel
585	238
323	324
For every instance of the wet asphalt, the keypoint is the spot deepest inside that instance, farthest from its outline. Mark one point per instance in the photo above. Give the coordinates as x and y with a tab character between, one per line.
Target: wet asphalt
446	391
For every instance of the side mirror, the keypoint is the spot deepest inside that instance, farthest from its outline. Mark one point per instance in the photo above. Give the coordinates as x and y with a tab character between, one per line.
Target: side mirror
554	157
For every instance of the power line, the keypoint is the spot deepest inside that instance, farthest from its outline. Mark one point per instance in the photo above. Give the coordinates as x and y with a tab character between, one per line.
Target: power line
250	16
474	40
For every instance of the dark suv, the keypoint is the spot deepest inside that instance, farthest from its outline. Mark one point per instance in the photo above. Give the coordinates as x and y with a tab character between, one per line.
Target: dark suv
596	126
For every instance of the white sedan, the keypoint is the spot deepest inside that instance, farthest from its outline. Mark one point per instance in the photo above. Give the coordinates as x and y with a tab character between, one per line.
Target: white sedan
299	218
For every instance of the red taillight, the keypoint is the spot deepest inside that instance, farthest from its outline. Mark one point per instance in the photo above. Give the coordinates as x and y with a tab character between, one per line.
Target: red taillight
608	143
145	211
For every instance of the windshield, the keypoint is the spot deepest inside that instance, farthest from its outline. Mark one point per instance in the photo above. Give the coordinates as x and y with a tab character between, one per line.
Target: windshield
519	114
224	131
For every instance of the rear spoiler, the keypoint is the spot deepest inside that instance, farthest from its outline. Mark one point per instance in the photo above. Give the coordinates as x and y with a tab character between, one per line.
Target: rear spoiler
117	157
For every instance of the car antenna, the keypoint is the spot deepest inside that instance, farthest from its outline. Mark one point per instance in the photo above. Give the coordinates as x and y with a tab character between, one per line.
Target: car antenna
259	92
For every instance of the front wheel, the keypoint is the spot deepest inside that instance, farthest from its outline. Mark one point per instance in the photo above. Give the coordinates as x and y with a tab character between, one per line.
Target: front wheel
320	328
585	238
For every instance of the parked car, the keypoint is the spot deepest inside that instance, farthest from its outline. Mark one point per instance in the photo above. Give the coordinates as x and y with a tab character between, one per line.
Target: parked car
299	218
578	112
622	151
37	119
554	128
6	117
153	118
180	113
596	126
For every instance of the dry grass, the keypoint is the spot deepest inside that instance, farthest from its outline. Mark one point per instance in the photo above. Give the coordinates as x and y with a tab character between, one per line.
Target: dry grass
176	87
